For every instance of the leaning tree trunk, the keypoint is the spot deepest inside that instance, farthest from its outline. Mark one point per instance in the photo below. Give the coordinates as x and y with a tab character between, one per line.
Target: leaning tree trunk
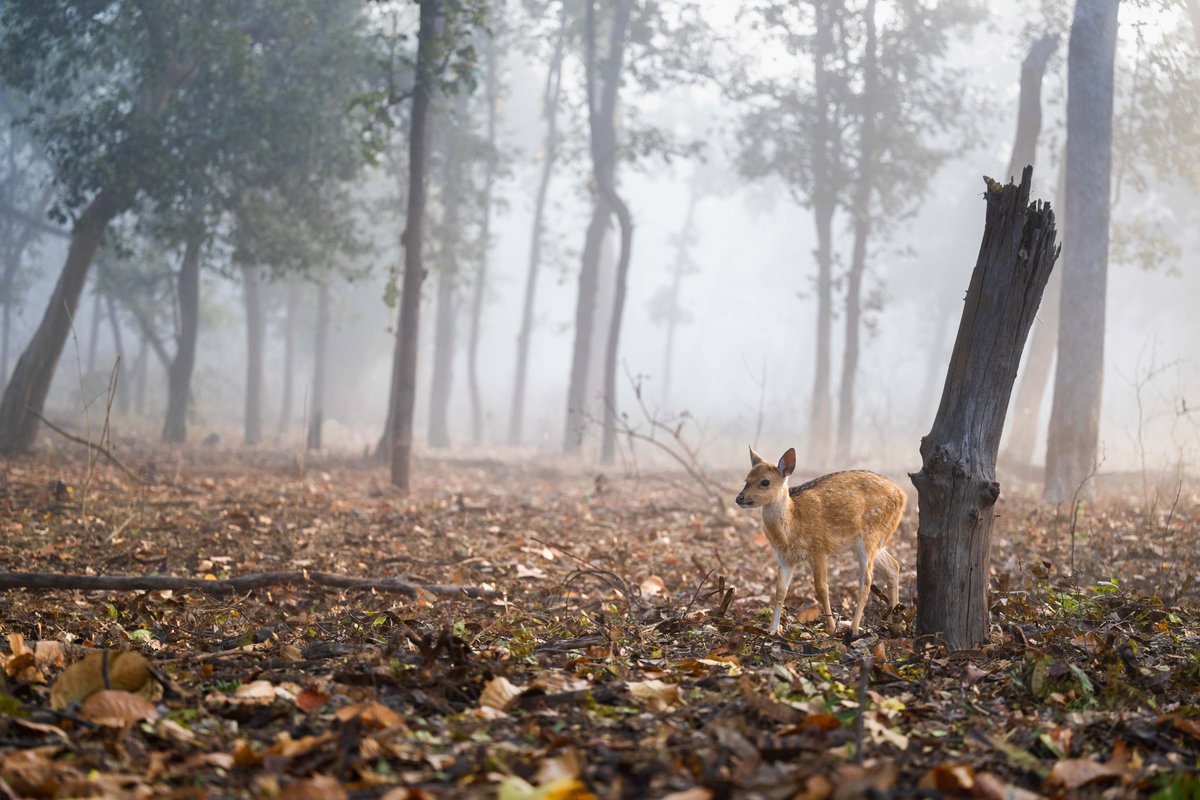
25	394
550	97
256	327
320	369
862	231
486	235
1079	374
413	238
179	374
1029	106
956	487
12	265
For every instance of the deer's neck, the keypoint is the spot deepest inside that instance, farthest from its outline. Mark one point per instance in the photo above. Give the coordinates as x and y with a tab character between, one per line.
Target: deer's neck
777	519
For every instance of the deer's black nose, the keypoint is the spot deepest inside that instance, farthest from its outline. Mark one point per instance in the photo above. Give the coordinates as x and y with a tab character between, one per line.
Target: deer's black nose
741	498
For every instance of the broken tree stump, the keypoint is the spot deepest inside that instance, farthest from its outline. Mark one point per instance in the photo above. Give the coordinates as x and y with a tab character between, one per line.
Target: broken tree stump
957	487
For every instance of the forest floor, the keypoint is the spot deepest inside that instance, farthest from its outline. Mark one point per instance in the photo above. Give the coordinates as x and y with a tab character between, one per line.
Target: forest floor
619	651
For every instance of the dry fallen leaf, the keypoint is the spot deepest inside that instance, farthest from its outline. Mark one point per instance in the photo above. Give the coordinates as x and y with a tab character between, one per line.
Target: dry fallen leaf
318	787
989	787
115	708
310	700
659	695
1071	773
124	670
952	778
653	585
499	693
514	788
694	793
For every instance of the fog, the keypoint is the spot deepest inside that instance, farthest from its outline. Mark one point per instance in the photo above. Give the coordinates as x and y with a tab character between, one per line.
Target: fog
743	367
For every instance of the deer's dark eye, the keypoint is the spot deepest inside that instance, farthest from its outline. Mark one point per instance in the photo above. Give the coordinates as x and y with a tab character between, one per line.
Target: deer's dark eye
765	482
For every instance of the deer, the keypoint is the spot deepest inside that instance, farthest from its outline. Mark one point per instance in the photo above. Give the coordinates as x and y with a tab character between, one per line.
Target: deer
825	517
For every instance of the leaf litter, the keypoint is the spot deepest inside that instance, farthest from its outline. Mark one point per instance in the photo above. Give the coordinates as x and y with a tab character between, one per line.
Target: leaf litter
622	653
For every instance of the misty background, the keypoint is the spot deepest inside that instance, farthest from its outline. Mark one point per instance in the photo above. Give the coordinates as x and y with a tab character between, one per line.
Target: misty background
743	359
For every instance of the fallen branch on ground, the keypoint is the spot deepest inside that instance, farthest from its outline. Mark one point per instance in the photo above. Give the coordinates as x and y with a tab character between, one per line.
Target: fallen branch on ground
242	583
100	449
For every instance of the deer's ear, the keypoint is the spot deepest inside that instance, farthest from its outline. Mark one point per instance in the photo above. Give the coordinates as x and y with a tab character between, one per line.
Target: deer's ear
755	458
787	462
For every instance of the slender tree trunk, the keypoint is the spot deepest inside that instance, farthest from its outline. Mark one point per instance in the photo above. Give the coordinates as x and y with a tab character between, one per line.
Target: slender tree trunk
683	265
550	96
604	132
256	329
289	360
602	125
862	231
414	271
1079	375
824	205
30	382
486	235
956	486
114	322
1039	358
1029	107
179	374
320	369
446	323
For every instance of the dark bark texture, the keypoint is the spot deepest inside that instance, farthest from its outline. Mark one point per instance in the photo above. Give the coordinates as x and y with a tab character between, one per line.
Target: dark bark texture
30	382
179	373
1079	375
606	179
1029	105
957	487
413	240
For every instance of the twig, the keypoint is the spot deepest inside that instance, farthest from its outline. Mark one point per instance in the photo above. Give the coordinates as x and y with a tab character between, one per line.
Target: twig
859	721
100	449
242	583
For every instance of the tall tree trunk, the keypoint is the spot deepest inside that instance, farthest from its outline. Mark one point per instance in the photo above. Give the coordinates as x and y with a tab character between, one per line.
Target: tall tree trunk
956	486
1079	375
446	323
12	265
114	322
256	329
25	394
550	96
414	271
1029	106
604	132
486	235
320	369
683	265
862	230
602	128
179	374
1026	413
824	205
289	359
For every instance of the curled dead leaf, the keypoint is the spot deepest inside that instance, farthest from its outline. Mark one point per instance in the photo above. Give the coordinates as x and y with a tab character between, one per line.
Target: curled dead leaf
116	708
658	695
989	787
1071	773
499	693
309	700
374	716
652	585
952	778
105	669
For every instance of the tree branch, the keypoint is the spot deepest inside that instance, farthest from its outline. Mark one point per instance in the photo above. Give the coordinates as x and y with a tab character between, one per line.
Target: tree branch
242	583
